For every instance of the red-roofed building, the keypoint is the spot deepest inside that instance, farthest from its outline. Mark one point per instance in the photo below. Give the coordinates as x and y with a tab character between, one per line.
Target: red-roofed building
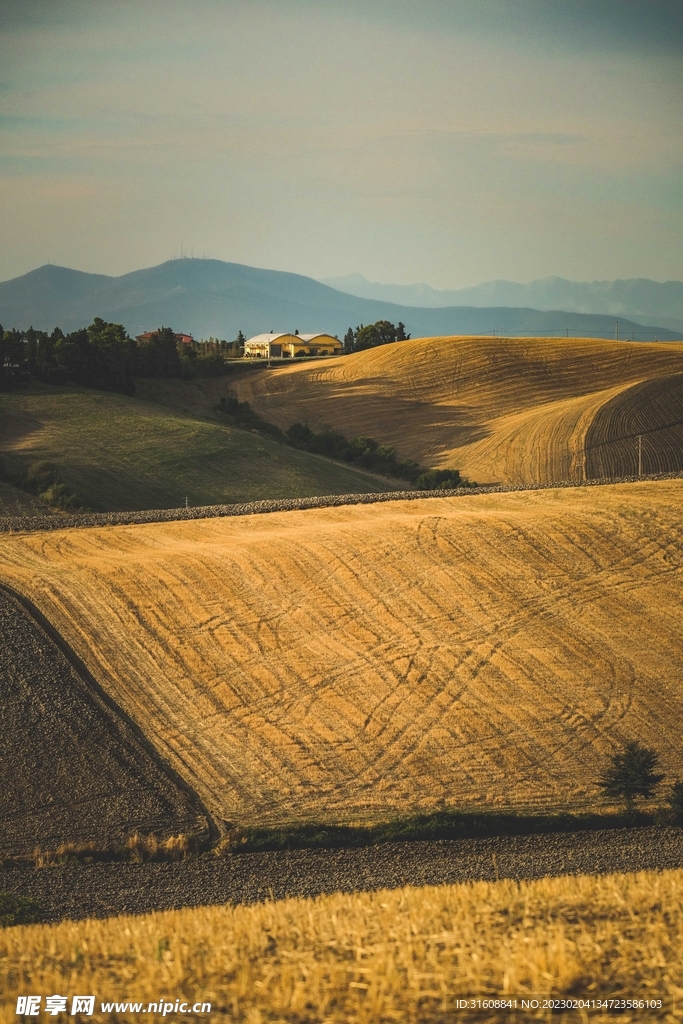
186	339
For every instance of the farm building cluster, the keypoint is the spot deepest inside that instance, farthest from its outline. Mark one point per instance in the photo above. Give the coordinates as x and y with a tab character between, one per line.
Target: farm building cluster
261	346
277	346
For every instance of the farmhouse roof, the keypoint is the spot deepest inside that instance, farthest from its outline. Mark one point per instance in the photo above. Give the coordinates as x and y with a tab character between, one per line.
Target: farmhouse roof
319	334
179	336
263	338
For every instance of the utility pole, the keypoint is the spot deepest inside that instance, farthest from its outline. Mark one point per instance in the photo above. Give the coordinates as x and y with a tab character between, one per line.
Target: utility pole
186	505
616	330
640	454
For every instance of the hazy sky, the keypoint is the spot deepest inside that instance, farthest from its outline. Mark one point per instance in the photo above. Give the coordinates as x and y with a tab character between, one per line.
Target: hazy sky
446	141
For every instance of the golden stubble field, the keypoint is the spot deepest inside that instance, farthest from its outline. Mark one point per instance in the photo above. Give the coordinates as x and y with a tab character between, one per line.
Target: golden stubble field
402	955
351	663
511	410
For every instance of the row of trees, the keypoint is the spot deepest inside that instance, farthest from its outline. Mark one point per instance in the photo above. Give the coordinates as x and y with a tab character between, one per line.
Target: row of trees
104	356
383	332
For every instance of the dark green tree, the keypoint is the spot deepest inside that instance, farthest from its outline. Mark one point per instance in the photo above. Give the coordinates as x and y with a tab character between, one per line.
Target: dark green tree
675	801
366	337
349	341
13	356
383	332
300	435
100	356
159	356
631	774
386	332
5	377
45	364
401	332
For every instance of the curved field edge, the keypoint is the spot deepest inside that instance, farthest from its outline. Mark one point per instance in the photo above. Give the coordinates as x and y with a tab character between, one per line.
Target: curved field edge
353	664
648	414
75	768
396	954
541	445
507	410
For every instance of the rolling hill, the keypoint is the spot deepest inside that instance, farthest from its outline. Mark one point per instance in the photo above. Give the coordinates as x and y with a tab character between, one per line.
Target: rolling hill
117	453
213	298
510	410
352	663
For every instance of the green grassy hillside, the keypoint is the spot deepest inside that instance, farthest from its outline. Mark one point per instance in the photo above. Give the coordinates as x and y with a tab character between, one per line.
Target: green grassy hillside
121	454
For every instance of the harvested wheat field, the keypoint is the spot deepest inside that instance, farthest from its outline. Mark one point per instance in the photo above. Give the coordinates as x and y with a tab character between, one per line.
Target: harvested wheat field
653	411
350	663
510	410
373	958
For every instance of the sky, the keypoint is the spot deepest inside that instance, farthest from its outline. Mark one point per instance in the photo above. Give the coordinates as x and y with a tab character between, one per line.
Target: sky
447	141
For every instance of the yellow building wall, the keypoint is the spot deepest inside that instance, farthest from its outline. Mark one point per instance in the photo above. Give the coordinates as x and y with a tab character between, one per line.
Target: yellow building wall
322	347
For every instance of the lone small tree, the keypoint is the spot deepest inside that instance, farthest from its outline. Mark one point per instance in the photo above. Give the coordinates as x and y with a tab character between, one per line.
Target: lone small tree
631	774
675	801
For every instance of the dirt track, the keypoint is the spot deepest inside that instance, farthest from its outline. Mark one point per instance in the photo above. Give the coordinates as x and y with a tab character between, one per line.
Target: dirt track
104	890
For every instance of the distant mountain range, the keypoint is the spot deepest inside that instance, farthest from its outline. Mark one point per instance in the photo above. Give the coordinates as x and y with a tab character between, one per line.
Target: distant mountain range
212	298
653	302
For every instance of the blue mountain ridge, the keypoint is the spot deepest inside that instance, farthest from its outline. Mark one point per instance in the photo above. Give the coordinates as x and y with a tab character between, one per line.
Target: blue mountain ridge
213	298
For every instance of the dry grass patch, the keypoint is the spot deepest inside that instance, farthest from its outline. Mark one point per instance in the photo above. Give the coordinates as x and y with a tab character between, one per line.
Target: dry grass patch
349	664
394	955
514	410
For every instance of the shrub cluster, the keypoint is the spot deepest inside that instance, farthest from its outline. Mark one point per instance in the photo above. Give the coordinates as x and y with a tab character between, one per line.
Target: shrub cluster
18	910
360	451
438	479
241	414
43	479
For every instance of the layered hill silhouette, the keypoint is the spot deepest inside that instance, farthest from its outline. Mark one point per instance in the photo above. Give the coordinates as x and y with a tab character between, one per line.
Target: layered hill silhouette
509	410
213	298
653	302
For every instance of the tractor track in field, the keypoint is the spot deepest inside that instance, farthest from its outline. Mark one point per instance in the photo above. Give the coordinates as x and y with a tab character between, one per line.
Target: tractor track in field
65	521
105	890
391	655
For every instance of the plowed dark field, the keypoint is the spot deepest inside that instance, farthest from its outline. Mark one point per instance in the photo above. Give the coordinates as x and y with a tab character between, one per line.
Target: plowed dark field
72	769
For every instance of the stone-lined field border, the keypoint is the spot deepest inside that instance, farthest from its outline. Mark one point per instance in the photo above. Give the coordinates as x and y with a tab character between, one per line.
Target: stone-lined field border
58	521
